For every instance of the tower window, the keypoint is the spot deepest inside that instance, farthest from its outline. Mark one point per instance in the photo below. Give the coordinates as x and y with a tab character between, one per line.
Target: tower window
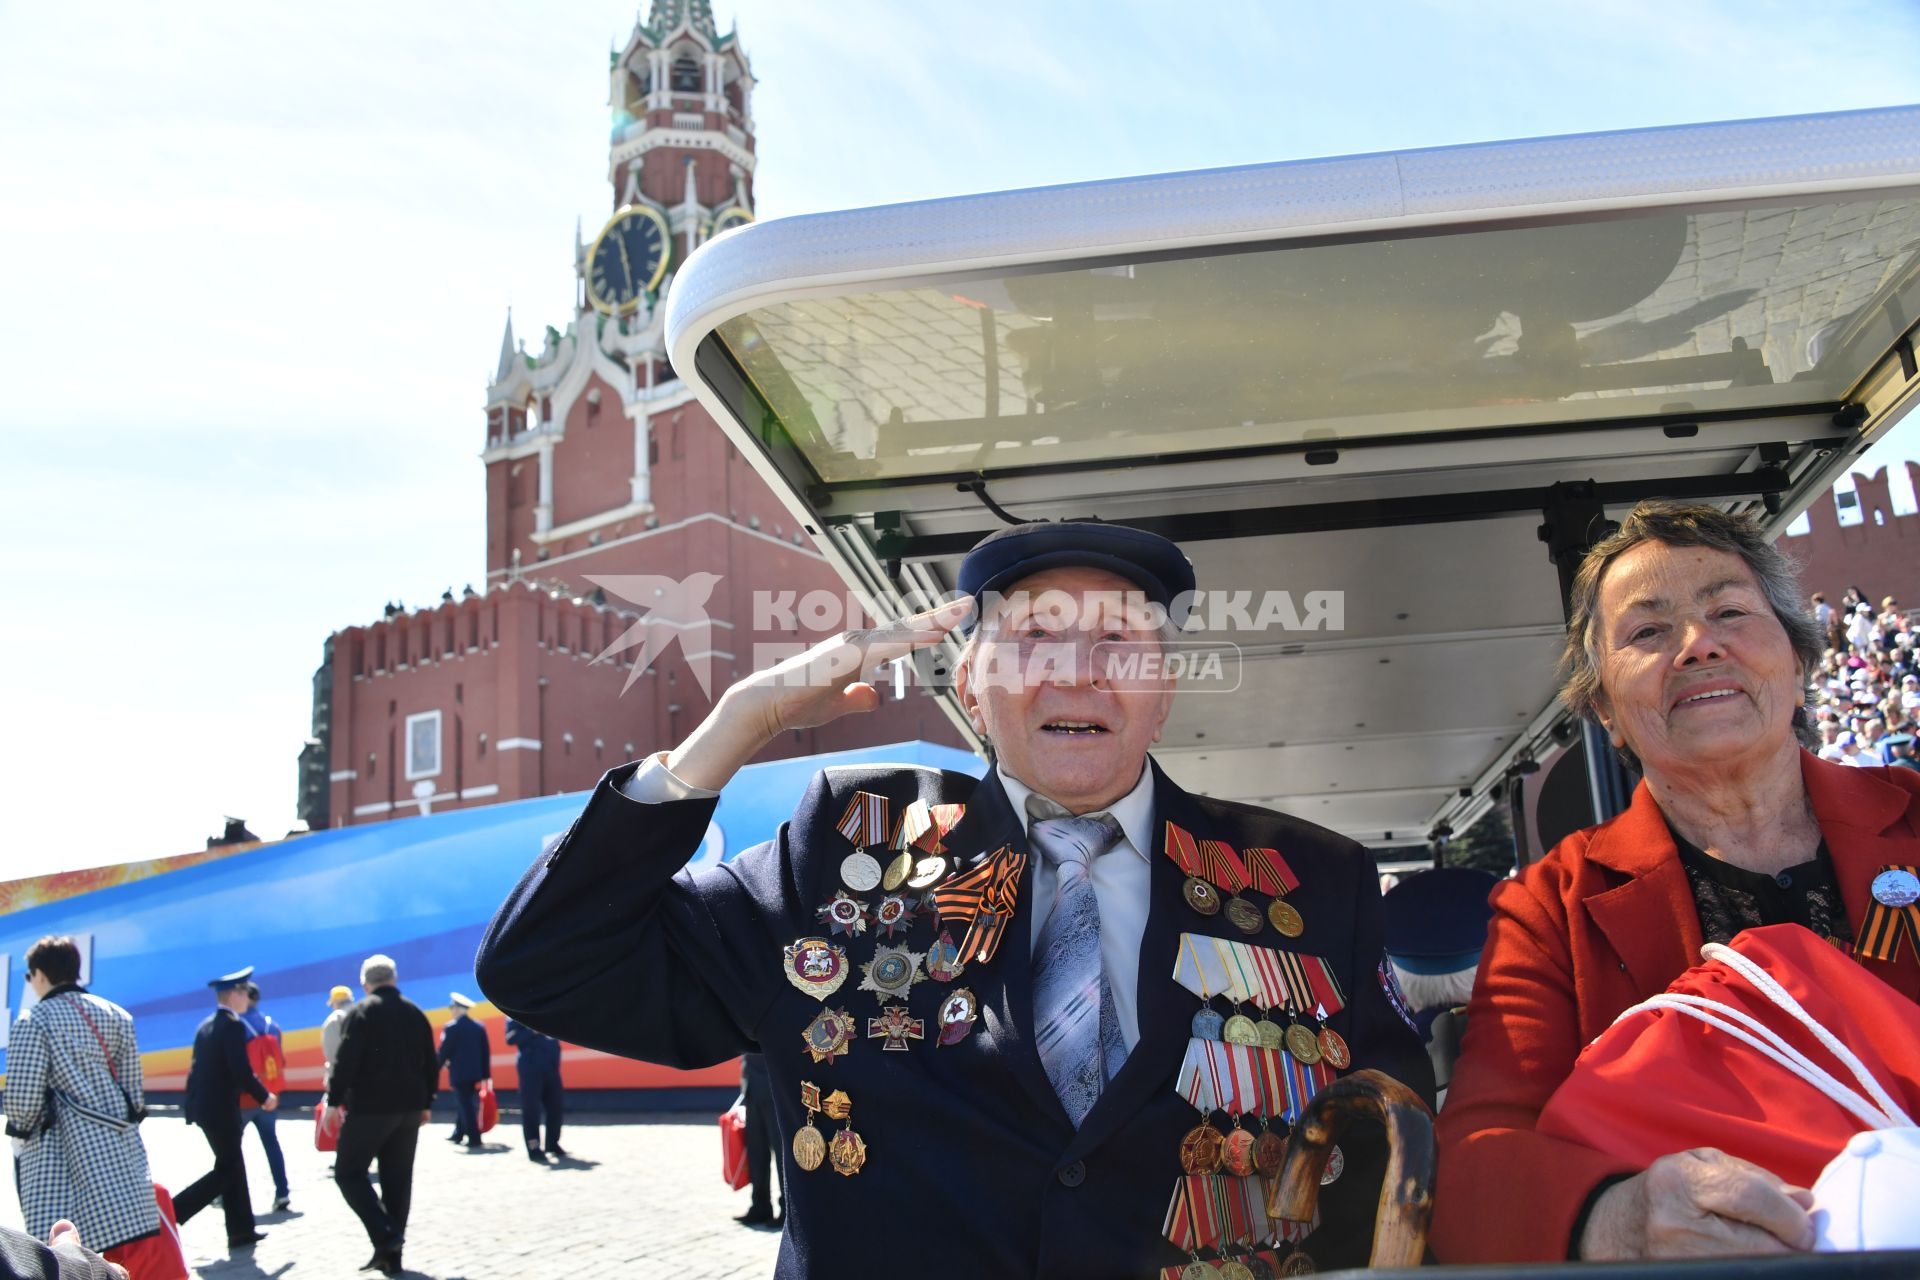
685	77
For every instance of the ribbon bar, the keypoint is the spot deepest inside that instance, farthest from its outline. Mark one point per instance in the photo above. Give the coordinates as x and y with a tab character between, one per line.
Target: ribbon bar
865	822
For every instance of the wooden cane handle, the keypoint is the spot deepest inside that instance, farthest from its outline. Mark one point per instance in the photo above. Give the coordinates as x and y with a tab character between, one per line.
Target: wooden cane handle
1406	1193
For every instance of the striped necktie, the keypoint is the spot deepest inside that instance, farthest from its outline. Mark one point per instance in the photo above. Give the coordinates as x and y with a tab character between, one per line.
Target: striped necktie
1075	1030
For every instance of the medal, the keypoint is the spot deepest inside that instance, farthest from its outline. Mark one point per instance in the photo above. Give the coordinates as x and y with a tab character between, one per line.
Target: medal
838	1105
1896	887
809	1148
1199	1269
1269	1152
1244	916
1257	1267
848	1153
942	818
860	872
1268	1034
1201	896
815	966
1239	1029
1333	1050
927	872
891	973
1232	1270
895	912
829	1034
943	959
957	1013
843	914
1303	1044
1336	1165
1285	918
1271	875
897	1026
1201	1149
1297	1264
897	872
1208	1023
1236	1153
1223	868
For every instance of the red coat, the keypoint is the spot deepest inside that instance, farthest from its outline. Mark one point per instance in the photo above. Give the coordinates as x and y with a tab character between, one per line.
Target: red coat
1601	923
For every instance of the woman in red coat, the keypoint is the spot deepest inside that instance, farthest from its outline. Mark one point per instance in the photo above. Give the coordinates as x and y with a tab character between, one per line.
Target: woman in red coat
1687	643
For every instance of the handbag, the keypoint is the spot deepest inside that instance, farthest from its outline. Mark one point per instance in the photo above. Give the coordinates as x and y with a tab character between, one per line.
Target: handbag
489	1107
733	1146
325	1137
159	1256
1749	1052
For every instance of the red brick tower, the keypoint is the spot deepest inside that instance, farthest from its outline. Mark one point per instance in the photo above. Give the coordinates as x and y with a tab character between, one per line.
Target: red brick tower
620	521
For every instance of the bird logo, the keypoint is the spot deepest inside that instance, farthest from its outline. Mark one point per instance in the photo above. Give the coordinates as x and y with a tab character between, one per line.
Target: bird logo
675	607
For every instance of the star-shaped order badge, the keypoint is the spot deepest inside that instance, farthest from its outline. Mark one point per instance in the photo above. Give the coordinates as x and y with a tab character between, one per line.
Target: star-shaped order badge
843	914
895	912
830	1034
892	972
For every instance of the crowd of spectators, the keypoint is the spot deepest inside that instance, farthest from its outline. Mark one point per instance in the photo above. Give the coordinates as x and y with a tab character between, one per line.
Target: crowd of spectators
1866	694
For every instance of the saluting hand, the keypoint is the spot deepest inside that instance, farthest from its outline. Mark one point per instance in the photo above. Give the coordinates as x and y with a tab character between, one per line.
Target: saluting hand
828	681
1699	1203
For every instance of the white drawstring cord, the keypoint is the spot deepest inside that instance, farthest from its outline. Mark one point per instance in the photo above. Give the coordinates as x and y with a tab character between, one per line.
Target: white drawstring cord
1768	986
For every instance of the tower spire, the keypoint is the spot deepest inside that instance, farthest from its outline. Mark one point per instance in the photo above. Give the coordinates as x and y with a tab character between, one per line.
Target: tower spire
507	351
668	15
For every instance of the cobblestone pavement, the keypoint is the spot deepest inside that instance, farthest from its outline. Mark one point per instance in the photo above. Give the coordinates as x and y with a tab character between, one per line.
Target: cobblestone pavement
637	1196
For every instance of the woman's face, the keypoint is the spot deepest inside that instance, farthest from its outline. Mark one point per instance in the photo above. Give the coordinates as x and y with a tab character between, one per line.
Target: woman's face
1695	669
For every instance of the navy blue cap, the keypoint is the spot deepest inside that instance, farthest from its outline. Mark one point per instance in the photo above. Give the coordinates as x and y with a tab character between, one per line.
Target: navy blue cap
1436	921
1151	562
232	980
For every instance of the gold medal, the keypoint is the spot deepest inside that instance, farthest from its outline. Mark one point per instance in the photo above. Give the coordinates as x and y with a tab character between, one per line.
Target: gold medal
926	872
1333	1050
1244	916
1199	1269
1303	1045
830	1034
815	966
1269	1152
1297	1264
838	1105
1236	1153
1200	1149
1269	1034
848	1152
809	1148
897	872
1232	1270
1201	896
1285	918
1240	1030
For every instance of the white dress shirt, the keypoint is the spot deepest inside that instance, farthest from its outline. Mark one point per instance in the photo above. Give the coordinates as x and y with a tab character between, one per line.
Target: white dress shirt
1121	876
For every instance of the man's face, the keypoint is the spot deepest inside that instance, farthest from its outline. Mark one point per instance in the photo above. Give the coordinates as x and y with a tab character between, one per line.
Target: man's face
1039	686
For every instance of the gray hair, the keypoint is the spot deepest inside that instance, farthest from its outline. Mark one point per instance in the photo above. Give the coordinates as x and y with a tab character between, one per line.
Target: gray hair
377	971
1679	525
1436	990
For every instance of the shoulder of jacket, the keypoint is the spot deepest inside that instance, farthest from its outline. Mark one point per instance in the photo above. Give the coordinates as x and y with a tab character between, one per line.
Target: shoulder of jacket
1251	823
904	782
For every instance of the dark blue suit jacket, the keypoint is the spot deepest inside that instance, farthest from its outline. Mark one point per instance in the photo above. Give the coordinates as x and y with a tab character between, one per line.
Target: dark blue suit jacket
220	1071
973	1167
537	1052
465	1053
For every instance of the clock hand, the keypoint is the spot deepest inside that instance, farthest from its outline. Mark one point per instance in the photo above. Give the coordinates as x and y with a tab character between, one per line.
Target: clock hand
621	244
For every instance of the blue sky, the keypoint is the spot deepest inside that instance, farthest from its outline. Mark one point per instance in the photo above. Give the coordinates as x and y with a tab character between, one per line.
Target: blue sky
254	261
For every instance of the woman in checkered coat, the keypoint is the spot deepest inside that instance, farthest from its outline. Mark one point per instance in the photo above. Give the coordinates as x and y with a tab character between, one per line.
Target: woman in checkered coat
73	1096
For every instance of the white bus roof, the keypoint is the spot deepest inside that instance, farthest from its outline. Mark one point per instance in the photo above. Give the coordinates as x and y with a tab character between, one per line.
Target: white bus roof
1358	375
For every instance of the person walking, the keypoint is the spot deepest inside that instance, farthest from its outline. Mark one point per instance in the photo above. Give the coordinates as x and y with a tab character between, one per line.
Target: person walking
762	1137
468	1058
541	1094
385	1078
74	1100
220	1072
339	1000
273	1076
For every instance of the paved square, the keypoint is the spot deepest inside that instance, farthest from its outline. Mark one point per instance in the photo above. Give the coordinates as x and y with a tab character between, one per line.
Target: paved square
635	1189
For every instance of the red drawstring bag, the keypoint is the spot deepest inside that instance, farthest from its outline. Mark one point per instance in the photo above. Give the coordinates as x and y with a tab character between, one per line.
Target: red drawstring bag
733	1147
1661	1081
489	1107
325	1138
158	1256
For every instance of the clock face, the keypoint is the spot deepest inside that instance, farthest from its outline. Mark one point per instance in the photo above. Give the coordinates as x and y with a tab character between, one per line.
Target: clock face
733	217
628	258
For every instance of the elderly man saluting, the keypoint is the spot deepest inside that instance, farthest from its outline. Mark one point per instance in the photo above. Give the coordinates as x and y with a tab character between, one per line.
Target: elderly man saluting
993	1011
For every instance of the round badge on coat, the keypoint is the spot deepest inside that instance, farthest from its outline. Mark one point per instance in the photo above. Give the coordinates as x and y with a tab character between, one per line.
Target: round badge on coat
860	872
1896	887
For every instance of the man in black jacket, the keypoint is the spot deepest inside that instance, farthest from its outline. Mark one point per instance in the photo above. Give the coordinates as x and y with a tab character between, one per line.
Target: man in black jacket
385	1078
219	1074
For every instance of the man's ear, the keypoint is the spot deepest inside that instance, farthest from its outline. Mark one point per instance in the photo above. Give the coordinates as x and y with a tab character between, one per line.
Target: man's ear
963	690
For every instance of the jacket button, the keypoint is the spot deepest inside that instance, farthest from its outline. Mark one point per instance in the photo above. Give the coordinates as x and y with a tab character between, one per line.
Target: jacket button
1073	1175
